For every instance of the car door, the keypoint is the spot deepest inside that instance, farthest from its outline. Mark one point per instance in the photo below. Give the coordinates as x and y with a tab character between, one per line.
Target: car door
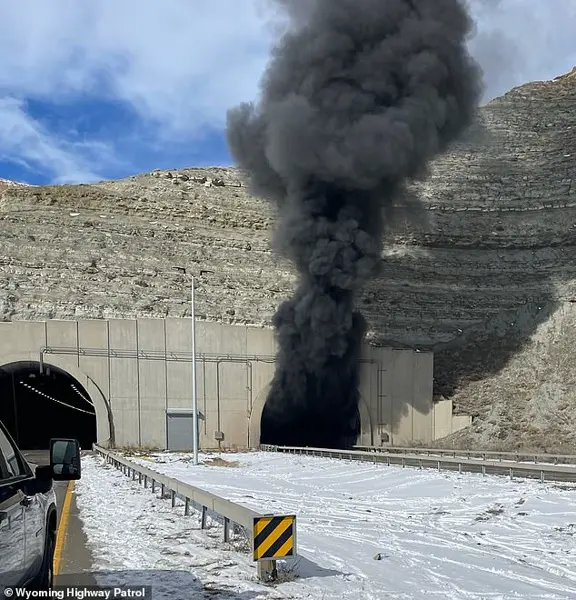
12	517
35	527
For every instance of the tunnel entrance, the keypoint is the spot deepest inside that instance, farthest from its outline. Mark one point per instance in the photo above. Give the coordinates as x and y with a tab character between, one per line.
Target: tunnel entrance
309	429
36	407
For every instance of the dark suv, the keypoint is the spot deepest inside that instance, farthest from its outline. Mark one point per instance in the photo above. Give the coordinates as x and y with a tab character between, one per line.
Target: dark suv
28	511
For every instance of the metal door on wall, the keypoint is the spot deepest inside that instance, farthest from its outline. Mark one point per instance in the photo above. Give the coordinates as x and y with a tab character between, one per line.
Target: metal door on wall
179	428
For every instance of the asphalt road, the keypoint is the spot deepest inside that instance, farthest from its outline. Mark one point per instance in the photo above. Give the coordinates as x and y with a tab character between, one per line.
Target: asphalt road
76	561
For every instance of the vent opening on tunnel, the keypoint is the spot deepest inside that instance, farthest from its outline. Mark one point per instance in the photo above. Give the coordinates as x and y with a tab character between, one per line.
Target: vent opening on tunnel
36	407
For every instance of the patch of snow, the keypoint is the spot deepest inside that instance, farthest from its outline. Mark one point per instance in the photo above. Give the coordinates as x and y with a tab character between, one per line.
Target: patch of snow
138	539
439	536
10	182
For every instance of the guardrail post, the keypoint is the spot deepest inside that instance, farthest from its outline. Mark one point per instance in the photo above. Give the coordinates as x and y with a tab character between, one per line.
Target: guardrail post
153	486
186	506
511	473
226	529
162	491
542	476
203	518
173	498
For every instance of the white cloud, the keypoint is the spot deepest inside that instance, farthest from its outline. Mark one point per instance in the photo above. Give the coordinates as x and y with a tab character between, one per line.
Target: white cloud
523	40
26	142
181	64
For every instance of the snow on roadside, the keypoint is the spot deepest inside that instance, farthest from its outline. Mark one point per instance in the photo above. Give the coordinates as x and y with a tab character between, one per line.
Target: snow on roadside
139	539
439	536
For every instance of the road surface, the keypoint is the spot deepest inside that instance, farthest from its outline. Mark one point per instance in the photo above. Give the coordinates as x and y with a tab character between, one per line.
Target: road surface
73	563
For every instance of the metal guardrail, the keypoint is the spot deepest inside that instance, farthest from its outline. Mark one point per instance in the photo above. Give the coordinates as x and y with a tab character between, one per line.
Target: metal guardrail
265	532
544	472
524	457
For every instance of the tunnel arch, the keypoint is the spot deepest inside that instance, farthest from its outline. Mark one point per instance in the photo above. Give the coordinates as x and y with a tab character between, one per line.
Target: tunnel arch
104	434
255	424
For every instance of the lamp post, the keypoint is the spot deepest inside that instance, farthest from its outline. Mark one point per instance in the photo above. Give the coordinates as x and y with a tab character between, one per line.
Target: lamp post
194	396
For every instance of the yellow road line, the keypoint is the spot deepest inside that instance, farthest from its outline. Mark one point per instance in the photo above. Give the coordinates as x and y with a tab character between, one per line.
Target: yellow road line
63	528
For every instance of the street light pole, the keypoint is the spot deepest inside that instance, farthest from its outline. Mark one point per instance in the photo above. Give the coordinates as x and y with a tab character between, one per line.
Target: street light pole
194	396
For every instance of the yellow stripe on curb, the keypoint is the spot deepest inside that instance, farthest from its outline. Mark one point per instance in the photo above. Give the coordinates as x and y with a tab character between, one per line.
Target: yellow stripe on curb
63	528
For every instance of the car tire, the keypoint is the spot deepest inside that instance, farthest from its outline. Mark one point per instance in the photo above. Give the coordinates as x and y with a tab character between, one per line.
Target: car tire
45	579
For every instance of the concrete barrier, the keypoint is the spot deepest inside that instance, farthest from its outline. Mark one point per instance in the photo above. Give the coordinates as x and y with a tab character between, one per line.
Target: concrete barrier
209	504
525	457
544	472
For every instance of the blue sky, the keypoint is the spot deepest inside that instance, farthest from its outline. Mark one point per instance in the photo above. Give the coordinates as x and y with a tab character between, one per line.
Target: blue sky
105	89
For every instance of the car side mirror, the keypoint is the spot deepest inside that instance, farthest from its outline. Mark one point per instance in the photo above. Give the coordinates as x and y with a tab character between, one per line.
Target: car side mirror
65	459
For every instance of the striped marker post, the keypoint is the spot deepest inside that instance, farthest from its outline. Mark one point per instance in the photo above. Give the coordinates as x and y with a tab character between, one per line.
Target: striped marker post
274	537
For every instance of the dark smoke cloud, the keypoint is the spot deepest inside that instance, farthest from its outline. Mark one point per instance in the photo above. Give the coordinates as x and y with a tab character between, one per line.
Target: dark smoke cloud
358	97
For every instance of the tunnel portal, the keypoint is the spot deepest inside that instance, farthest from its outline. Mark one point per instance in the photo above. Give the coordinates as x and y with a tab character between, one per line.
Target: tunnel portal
36	406
309	429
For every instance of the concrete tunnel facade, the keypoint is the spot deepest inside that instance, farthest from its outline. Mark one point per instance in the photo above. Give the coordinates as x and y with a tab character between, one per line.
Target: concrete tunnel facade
138	374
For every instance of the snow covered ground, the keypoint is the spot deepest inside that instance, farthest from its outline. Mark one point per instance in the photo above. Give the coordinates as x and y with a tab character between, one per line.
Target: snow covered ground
438	536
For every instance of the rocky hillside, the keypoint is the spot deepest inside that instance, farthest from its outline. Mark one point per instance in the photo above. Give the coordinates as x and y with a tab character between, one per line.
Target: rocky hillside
484	273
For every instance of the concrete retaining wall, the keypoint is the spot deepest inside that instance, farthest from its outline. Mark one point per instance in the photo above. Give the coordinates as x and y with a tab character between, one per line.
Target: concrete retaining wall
137	370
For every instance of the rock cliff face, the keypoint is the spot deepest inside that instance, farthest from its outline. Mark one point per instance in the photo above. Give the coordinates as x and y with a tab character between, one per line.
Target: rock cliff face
484	273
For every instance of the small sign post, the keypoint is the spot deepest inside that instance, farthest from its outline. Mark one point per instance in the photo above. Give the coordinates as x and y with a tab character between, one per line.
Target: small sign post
273	537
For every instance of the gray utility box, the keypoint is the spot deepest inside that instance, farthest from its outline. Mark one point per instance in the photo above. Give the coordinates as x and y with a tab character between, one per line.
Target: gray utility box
179	429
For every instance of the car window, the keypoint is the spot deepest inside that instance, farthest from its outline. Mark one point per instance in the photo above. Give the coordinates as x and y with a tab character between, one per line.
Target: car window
9	464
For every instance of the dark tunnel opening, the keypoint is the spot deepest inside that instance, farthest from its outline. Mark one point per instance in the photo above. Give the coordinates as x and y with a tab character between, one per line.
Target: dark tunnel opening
308	429
36	407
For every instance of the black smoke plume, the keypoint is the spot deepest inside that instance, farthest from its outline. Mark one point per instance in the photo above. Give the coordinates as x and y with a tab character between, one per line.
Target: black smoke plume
359	95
